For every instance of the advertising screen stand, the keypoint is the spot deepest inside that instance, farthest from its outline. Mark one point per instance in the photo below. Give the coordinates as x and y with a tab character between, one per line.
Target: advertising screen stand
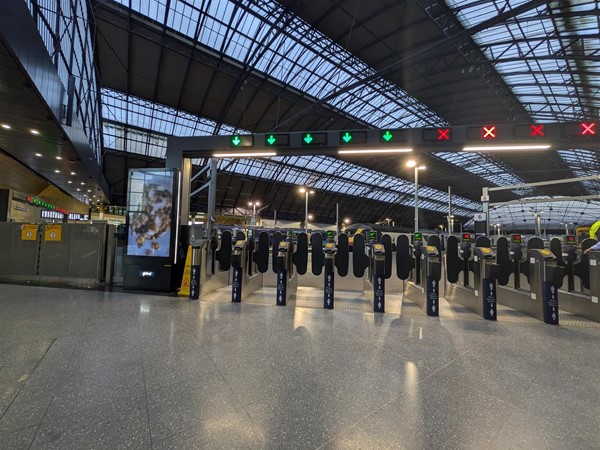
152	230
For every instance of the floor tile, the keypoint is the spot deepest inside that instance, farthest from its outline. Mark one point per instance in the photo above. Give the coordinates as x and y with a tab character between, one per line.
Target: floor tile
185	405
435	412
121	425
230	433
172	368
17	440
83	390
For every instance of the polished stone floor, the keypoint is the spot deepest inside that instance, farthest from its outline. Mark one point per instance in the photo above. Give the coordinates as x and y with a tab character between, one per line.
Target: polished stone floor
85	369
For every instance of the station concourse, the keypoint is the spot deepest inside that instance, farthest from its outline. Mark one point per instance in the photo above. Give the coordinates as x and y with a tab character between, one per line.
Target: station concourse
291	224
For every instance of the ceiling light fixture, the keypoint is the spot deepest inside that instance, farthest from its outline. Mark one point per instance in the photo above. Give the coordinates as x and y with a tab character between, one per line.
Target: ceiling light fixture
70	182
32	131
82	183
374	150
59	157
56	171
6	126
244	155
492	148
78	189
39	155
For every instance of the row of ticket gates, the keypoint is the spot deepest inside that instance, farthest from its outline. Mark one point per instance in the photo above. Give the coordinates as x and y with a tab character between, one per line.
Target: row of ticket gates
526	277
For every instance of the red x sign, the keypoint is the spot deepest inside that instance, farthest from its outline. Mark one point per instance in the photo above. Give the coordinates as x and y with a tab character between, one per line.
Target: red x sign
537	130
443	134
588	129
489	132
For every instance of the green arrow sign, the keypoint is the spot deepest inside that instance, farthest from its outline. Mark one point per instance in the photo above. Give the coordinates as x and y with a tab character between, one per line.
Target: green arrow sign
387	136
308	138
347	137
235	141
271	140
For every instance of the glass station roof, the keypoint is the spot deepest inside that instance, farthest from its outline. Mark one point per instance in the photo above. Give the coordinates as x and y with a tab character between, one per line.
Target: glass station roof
546	54
554	215
266	37
331	174
485	167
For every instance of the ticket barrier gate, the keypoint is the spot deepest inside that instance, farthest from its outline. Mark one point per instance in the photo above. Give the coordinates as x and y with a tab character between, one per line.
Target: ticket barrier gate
545	277
329	255
376	259
424	261
594	258
577	265
479	295
211	261
289	260
245	278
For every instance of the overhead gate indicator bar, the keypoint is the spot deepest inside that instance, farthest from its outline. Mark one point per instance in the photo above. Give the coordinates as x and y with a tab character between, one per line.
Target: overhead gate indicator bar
354	144
485	137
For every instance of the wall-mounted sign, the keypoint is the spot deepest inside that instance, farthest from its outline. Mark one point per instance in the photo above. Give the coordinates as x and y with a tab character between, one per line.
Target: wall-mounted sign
76	216
28	232
45	214
53	233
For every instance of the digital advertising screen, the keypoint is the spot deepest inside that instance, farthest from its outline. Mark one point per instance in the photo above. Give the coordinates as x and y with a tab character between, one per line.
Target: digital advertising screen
150	206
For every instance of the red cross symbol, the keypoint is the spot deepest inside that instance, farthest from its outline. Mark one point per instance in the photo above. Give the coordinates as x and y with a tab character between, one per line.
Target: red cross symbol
588	128
537	130
489	132
443	134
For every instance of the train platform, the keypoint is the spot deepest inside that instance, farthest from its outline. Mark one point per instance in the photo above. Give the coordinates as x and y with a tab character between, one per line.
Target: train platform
92	369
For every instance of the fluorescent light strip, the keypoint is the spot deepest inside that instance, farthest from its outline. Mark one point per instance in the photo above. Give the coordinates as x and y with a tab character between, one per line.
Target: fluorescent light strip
374	150
505	147
244	155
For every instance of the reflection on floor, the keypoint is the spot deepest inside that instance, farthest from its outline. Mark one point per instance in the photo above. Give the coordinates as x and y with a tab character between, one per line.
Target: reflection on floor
395	303
87	369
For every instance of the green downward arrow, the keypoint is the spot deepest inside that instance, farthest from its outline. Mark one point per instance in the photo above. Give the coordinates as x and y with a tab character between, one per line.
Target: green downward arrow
308	138
271	140
236	140
347	137
387	136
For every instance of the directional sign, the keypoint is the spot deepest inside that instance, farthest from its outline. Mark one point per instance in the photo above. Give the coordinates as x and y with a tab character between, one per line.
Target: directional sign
277	140
392	136
485	133
488	132
588	129
529	131
314	139
241	141
580	130
436	134
353	137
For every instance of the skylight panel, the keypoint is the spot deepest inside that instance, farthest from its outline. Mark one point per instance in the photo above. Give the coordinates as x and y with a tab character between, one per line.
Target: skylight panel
317	66
554	215
534	36
482	167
